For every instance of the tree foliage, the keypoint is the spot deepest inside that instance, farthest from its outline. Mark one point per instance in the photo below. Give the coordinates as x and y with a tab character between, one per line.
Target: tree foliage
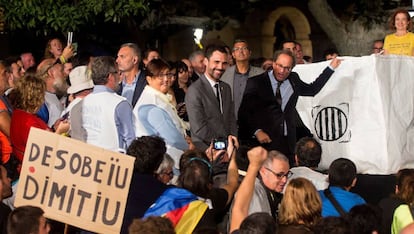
67	15
346	22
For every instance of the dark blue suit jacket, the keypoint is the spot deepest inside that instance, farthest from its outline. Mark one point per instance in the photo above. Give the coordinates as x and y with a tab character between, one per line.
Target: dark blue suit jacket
141	83
260	110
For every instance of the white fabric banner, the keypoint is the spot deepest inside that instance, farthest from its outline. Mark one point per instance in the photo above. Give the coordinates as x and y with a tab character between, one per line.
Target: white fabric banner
364	112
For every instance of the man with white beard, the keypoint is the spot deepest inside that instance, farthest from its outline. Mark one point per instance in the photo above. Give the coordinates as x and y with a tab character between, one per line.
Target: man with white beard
52	73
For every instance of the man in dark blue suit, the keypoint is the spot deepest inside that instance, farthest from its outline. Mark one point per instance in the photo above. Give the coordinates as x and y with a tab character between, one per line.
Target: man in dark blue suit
133	79
267	114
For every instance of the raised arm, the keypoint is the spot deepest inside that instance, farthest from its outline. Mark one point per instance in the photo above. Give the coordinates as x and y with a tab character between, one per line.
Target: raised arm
241	205
232	171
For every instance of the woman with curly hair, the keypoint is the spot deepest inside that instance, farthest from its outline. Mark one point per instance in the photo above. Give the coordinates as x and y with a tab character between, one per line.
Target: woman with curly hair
27	97
300	209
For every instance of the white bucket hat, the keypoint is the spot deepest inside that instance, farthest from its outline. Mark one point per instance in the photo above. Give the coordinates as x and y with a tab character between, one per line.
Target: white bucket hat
79	80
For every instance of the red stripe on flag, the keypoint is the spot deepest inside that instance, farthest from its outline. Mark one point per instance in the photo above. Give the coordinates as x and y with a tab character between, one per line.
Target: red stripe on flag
175	215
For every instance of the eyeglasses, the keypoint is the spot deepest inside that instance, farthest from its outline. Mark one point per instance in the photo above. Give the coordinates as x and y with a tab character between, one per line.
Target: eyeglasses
169	76
281	174
377	48
240	49
280	66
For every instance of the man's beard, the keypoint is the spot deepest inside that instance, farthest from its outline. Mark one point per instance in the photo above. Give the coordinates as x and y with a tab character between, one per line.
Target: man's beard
61	88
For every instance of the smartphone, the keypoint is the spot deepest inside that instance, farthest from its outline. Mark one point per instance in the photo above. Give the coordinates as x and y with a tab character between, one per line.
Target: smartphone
75	48
220	144
74	44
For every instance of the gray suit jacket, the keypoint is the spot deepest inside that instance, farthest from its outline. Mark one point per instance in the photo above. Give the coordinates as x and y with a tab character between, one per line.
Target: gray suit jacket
228	77
206	120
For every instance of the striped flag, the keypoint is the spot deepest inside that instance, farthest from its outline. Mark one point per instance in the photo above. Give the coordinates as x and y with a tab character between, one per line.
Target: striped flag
181	206
365	112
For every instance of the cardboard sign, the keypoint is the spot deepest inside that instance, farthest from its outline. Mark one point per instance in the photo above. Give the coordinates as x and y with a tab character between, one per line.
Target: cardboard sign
75	183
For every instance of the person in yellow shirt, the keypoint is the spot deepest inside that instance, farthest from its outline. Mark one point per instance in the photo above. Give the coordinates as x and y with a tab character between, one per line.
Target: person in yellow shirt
404	214
401	42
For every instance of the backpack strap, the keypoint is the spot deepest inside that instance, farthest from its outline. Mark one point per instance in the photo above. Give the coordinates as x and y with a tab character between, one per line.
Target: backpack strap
411	207
334	202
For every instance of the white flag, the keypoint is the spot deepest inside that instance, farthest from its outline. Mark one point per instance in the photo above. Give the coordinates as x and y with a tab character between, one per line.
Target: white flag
364	112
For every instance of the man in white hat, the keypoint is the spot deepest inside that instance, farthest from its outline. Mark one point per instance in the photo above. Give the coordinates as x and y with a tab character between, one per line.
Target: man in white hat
81	86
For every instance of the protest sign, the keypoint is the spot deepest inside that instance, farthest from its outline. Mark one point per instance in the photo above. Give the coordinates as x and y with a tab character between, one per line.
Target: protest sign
75	183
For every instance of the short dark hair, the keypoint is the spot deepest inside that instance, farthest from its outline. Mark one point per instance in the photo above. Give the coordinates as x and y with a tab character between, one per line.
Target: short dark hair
194	54
287	41
212	48
155	67
195	172
309	152
260	222
10	60
6	64
148	51
330	51
329	225
148	152
277	53
24	219
365	219
378	40
152	224
102	66
342	172
241	40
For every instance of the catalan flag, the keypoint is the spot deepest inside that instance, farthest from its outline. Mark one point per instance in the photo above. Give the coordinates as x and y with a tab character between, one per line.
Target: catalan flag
181	206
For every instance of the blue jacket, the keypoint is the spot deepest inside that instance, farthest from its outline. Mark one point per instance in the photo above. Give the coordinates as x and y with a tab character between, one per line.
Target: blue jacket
345	198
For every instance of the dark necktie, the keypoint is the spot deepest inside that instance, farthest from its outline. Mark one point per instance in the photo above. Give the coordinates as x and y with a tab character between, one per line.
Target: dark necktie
218	95
278	94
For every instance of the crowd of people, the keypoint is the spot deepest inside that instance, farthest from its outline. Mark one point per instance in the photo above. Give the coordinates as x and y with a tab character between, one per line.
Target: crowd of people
212	130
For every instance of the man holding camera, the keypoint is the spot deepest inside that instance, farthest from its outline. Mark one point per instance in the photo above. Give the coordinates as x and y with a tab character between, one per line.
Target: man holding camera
209	101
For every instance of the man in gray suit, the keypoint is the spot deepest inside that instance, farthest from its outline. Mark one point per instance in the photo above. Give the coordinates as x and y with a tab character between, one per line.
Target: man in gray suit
209	103
236	76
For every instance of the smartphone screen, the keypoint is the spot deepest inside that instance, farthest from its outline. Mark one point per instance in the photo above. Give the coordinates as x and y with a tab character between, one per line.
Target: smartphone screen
75	47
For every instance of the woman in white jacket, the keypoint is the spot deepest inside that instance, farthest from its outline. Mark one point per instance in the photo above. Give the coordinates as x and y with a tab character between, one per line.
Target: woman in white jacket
156	115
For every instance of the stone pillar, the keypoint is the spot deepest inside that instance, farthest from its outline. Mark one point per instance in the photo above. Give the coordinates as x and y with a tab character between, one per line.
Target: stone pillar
267	46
